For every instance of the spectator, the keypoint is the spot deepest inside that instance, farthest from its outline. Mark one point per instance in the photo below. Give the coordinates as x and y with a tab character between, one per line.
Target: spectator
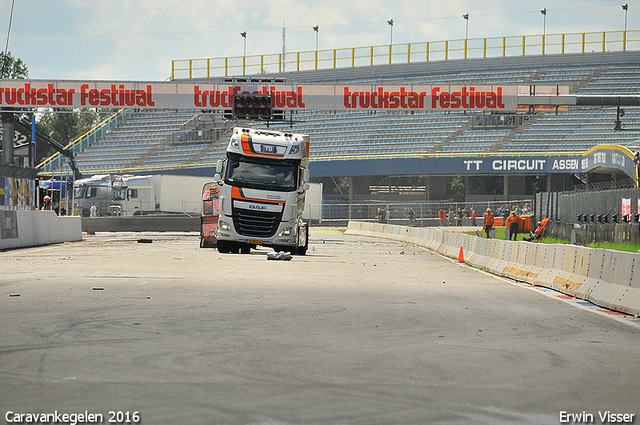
488	222
94	210
459	217
47	205
85	211
411	216
380	216
75	209
473	217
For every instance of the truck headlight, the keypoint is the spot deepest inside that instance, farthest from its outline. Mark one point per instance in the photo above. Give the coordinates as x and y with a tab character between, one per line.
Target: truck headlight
294	149
285	232
235	143
224	226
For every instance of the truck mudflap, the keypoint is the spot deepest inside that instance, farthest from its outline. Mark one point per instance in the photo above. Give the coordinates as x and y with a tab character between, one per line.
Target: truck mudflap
209	216
208	231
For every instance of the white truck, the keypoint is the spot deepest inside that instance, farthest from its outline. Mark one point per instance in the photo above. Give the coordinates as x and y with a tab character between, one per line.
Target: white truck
140	195
160	193
261	187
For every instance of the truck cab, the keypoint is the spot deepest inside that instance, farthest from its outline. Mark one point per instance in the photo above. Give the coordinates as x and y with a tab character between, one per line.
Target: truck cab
262	184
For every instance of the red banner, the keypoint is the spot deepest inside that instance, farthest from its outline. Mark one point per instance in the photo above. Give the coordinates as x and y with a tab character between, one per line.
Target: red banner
173	95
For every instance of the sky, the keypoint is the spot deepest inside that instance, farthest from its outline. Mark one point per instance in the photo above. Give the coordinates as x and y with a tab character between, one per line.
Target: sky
136	40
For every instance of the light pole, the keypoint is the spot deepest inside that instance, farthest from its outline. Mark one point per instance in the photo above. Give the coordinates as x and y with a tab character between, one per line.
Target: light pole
390	22
244	43
625	7
466	33
316	28
544	27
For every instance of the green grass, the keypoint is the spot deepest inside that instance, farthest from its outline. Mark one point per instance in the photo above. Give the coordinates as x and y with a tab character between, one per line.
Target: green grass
629	247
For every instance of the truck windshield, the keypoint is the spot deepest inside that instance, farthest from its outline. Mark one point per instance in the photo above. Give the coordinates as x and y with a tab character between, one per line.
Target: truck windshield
78	192
119	194
259	175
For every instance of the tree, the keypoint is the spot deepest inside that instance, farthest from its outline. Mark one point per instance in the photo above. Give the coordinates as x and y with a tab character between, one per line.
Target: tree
66	125
12	68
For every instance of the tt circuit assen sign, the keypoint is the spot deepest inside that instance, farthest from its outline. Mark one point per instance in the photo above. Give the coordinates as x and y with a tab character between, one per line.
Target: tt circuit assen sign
602	158
172	95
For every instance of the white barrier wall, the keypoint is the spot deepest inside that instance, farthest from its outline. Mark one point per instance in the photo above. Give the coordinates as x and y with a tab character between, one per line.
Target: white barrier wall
607	278
31	228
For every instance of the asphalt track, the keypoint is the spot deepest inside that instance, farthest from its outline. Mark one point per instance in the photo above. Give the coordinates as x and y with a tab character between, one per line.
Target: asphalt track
359	331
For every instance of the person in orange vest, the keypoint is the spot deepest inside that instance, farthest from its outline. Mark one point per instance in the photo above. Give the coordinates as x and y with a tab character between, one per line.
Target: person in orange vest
539	232
442	214
513	223
488	222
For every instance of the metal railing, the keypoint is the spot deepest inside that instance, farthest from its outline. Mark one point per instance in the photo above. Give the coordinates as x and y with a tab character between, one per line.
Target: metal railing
48	165
490	47
426	212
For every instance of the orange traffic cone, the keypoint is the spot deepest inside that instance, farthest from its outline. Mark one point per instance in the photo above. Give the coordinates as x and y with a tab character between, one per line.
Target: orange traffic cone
461	256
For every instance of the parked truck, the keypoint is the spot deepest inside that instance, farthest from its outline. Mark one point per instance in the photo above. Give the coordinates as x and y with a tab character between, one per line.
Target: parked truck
261	187
140	195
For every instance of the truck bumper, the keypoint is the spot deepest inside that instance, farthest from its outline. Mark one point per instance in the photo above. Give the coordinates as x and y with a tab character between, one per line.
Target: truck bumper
285	235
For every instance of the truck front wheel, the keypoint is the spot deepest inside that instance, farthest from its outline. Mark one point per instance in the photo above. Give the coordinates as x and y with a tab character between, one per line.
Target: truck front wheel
224	247
302	250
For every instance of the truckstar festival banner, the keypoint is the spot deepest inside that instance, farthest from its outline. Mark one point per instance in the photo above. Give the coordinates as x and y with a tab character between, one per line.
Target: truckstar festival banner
171	95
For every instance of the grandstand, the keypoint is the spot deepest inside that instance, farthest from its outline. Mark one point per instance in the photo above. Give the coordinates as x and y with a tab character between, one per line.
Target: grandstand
191	141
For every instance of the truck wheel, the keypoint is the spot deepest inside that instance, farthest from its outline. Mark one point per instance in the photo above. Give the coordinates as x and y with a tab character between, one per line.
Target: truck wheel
302	250
224	247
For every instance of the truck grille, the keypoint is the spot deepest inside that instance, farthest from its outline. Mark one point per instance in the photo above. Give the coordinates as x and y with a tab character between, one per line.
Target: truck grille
257	224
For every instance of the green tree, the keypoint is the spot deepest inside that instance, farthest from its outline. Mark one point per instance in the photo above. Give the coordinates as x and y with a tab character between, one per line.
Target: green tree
65	125
12	68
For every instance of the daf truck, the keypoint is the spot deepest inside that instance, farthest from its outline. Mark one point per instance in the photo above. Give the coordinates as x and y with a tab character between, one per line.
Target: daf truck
262	183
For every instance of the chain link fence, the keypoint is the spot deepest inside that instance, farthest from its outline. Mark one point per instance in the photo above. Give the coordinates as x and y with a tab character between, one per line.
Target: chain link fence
339	212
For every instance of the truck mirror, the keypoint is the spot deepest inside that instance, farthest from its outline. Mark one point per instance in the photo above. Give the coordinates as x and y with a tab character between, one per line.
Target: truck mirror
217	177
219	166
305	186
305	175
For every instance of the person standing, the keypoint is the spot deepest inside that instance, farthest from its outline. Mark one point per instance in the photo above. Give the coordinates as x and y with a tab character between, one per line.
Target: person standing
513	224
94	210
473	217
488	222
411	216
47	203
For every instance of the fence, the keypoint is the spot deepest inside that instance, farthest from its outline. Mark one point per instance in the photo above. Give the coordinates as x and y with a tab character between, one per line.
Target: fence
338	212
407	53
566	206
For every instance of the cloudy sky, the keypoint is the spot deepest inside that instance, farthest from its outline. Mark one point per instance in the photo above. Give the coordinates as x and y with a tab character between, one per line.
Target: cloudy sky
138	39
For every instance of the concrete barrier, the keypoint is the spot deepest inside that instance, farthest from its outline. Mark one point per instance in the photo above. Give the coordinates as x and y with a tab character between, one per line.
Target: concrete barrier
142	223
32	228
607	278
